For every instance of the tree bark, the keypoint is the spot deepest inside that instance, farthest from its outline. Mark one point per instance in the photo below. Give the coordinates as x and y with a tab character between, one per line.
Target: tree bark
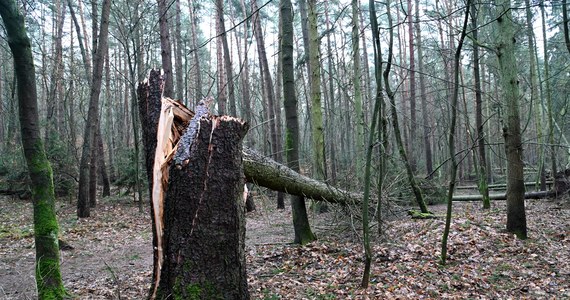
204	221
423	97
301	225
565	24
396	126
482	158
92	124
180	88
166	48
197	205
46	228
412	81
227	59
195	53
516	216
315	88
272	105
356	80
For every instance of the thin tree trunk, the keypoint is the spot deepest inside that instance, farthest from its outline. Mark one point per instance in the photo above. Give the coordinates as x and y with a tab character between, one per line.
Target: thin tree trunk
272	105
101	165
368	166
516	216
180	87
246	95
482	159
227	58
303	232
413	184
332	100
548	95
165	46
109	121
316	110
220	76
198	90
412	82
379	99
92	116
452	132
357	96
423	96
48	276
565	24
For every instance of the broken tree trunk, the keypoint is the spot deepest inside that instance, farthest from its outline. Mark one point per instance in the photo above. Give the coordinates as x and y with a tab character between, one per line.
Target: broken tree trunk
196	172
204	229
266	172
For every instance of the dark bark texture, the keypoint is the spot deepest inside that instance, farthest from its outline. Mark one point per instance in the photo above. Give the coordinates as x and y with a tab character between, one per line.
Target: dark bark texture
204	222
204	232
149	95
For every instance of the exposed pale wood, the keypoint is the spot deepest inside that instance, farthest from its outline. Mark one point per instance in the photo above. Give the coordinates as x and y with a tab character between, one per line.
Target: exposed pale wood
167	137
258	169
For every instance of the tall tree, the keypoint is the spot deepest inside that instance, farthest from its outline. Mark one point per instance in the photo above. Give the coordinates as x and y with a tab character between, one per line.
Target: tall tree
315	82
180	88
534	90
423	96
412	81
356	85
303	233
548	90
565	24
369	149
516	216
379	100
482	159
165	47
395	124
453	132
55	96
272	105
92	124
195	54
227	59
46	228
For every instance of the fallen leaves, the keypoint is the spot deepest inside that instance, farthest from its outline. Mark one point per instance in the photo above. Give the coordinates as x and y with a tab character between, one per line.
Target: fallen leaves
112	255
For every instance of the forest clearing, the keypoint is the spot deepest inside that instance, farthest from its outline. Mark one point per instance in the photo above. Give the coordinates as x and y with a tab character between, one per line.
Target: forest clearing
112	256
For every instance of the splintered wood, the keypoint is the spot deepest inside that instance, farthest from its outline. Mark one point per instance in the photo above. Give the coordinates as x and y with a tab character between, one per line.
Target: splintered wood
174	117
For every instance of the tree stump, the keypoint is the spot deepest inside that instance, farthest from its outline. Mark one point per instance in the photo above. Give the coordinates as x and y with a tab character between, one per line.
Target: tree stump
194	163
204	228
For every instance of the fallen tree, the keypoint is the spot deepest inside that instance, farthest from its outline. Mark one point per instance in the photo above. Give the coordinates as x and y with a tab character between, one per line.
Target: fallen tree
561	187
264	171
503	196
187	216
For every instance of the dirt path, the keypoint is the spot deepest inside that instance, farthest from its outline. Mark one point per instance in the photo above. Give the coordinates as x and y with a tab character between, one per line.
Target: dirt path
112	255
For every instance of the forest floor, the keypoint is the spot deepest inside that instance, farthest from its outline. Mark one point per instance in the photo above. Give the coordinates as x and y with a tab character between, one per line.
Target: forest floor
112	254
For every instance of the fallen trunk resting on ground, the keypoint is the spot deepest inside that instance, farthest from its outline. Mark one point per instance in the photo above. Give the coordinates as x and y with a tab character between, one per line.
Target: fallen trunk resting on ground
503	196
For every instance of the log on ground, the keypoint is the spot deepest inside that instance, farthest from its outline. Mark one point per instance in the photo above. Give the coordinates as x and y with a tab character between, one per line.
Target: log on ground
503	196
268	173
